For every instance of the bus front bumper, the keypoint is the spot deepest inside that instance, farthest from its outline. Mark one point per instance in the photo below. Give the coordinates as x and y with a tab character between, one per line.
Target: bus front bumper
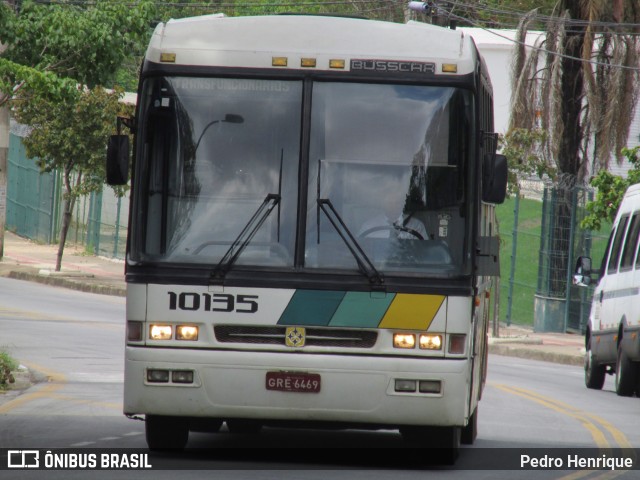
352	389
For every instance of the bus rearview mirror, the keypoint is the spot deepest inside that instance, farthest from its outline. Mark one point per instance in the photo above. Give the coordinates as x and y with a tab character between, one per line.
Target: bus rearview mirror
494	178
118	160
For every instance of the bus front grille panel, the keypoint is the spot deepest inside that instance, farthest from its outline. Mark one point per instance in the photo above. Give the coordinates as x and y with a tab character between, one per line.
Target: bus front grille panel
316	337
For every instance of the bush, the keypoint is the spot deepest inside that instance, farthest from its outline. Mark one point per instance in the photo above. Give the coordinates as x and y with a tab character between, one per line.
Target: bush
7	365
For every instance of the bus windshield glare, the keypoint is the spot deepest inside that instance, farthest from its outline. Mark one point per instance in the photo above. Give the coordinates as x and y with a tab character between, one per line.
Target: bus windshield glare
220	161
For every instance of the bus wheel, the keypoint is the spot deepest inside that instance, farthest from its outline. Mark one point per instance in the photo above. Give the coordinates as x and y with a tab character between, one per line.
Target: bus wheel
626	371
442	444
244	426
470	432
166	433
205	425
594	374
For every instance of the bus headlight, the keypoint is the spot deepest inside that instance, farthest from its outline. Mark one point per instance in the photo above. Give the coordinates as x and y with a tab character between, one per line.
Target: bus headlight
160	332
430	341
404	340
187	332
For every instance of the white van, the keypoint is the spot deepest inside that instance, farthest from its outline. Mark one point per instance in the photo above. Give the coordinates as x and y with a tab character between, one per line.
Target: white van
612	338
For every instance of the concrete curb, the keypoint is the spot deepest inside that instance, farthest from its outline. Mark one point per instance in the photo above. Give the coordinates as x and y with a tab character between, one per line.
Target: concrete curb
70	283
520	351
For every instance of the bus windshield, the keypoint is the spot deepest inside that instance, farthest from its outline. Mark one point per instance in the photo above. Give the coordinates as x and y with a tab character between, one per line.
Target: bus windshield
391	160
214	149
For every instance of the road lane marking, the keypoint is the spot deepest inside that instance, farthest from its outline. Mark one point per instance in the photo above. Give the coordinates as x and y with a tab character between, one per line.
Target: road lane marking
608	475
56	381
597	435
587	420
51	390
82	444
31	316
577	475
619	437
107	439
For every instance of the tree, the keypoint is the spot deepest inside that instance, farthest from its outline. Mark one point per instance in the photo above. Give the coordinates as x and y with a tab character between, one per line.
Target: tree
71	137
610	190
582	95
56	55
521	147
86	44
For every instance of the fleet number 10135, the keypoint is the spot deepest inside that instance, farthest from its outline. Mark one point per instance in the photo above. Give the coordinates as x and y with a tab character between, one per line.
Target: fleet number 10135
213	302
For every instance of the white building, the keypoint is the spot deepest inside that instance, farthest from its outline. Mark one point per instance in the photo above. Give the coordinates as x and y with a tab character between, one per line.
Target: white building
497	48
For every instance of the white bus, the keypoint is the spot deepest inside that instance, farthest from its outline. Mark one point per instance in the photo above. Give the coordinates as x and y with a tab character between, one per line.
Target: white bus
312	233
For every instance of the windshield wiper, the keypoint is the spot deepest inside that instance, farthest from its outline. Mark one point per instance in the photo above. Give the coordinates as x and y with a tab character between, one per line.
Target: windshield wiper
243	239
365	265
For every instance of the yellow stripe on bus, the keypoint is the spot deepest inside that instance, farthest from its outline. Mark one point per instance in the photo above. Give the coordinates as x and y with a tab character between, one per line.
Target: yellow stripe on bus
412	312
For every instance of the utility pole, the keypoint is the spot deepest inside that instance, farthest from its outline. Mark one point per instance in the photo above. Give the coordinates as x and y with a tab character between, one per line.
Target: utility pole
4	155
4	152
430	8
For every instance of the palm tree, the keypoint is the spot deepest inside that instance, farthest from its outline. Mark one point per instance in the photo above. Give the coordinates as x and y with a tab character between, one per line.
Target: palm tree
579	84
585	93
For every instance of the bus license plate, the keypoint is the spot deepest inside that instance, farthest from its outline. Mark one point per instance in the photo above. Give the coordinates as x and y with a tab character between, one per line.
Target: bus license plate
300	382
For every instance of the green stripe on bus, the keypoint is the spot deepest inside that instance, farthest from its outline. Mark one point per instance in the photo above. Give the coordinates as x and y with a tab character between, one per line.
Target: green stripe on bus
361	309
311	308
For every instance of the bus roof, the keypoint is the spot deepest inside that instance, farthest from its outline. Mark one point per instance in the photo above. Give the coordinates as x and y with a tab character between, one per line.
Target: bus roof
253	42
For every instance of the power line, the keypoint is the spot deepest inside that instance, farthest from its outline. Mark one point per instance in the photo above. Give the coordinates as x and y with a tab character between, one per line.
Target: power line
551	52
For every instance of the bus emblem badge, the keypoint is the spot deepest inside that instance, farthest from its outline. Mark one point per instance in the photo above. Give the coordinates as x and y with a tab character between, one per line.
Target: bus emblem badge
294	337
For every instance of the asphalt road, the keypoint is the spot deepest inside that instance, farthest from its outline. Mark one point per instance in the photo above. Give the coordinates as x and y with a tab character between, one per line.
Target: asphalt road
75	340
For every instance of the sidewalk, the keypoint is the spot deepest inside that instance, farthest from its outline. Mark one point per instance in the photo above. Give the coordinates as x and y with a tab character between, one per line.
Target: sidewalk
27	260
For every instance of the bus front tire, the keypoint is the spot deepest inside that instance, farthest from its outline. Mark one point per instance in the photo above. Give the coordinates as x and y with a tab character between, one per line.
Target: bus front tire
166	433
244	426
442	444
470	432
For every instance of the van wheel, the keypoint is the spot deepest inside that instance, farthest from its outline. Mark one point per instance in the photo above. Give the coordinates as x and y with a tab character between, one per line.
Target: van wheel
594	374
626	373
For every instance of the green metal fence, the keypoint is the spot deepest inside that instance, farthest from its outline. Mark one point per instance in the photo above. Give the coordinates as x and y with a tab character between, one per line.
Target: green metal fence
31	205
34	202
541	239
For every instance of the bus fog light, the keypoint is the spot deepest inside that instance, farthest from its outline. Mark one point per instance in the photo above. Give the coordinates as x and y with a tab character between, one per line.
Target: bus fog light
430	342
430	386
160	332
182	376
457	344
405	385
158	376
404	340
134	331
186	332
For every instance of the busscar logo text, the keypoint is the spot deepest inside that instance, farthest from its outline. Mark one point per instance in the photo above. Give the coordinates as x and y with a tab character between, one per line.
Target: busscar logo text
393	66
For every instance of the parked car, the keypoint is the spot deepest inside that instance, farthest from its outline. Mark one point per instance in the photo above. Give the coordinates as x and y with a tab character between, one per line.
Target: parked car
612	338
